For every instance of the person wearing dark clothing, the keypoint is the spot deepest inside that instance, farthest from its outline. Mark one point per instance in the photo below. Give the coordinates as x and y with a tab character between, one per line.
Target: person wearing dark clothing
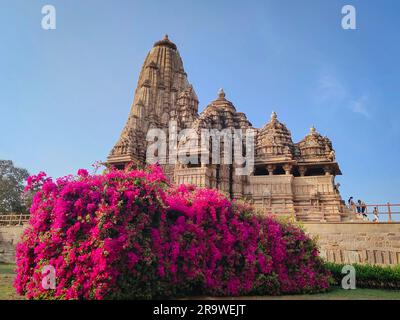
359	206
364	209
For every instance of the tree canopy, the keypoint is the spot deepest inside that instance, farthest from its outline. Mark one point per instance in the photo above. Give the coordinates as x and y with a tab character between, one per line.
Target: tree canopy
12	181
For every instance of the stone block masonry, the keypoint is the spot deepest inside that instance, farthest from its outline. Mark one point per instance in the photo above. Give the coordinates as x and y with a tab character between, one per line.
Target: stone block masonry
357	242
9	237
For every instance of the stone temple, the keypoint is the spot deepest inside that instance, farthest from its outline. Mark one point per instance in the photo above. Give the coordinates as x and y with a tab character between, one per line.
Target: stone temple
296	179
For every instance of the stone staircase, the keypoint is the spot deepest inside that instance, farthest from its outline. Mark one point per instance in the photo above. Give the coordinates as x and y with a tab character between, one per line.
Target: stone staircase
7	252
310	216
349	216
9	237
315	215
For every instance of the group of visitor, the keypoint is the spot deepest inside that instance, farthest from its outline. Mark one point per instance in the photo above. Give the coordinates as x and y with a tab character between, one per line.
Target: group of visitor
360	208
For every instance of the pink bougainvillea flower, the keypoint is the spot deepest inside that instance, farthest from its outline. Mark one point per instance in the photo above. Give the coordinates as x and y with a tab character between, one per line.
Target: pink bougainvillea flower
130	234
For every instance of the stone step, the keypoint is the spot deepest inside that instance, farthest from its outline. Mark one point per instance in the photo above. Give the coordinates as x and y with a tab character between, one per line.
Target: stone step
7	252
311	217
333	218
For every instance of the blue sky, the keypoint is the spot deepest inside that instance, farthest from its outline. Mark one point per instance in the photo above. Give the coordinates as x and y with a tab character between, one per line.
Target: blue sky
65	94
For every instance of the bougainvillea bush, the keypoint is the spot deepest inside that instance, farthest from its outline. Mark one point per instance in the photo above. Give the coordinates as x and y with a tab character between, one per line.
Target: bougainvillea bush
130	235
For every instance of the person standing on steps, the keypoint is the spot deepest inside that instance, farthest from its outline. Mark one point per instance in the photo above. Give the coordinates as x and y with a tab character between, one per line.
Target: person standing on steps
364	210
359	206
376	215
351	204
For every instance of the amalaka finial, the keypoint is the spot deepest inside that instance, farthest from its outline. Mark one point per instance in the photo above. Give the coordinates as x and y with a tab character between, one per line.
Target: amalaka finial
274	115
312	129
221	93
165	42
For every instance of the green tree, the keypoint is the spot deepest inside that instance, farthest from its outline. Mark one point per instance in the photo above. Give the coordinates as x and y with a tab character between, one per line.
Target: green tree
12	181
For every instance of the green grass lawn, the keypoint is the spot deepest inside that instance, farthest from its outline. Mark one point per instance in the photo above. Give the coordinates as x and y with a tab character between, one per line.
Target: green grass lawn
338	294
7	291
6	268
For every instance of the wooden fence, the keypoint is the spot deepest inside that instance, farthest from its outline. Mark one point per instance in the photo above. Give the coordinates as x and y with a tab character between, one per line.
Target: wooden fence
13	219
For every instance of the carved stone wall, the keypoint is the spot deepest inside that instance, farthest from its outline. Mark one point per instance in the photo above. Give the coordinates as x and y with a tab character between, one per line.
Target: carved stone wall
196	176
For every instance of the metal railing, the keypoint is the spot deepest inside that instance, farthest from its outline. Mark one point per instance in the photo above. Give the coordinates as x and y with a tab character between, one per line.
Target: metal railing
390	212
387	210
13	219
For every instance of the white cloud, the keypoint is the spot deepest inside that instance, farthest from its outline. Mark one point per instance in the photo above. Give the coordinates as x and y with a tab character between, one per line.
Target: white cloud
360	106
330	89
331	92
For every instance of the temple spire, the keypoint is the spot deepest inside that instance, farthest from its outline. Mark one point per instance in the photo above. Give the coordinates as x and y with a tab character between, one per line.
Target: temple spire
161	82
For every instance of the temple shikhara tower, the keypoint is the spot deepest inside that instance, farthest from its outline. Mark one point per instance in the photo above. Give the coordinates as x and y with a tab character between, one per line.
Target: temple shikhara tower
288	177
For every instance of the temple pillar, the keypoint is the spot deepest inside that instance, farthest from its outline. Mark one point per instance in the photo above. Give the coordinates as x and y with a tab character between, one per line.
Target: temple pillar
327	170
271	169
287	168
302	171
